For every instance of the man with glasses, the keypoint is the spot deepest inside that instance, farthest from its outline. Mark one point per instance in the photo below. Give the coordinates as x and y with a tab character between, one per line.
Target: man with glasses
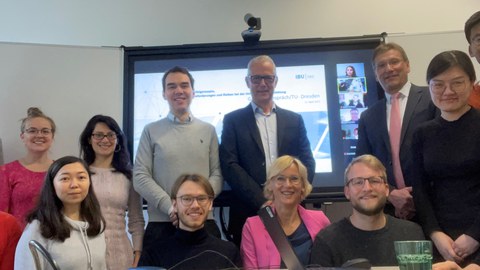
253	137
172	146
472	33
386	129
368	233
191	247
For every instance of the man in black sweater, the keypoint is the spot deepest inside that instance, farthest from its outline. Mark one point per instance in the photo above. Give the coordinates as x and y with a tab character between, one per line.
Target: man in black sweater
191	247
368	233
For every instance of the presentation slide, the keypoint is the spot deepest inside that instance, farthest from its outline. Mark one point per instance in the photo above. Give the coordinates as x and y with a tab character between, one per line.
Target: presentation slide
300	88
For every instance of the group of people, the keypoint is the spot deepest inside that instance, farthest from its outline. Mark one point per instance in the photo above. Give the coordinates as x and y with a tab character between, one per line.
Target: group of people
416	176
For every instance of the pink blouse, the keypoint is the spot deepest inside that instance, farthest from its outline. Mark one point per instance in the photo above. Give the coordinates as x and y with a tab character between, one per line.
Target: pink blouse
19	190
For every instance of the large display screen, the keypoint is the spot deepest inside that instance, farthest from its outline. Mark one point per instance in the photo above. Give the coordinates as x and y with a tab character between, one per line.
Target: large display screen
329	82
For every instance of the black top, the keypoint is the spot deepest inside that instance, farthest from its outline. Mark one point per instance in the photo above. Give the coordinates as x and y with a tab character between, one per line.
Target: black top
341	241
192	250
447	176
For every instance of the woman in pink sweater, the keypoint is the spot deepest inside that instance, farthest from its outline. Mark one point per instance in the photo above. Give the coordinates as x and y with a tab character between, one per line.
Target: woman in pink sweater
22	179
103	146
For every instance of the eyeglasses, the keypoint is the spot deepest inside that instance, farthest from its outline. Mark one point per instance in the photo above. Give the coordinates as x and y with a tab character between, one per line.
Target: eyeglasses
282	179
187	200
438	87
359	182
257	79
35	131
394	62
99	136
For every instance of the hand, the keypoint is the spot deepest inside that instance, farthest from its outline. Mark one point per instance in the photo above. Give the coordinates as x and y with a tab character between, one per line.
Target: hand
444	245
402	200
172	213
447	265
136	258
465	245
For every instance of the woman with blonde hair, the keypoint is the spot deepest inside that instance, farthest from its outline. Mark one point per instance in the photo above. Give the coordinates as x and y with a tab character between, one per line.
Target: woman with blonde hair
21	180
286	187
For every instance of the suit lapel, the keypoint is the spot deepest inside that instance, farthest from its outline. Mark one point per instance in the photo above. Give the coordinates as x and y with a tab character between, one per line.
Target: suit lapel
280	128
252	128
383	121
412	101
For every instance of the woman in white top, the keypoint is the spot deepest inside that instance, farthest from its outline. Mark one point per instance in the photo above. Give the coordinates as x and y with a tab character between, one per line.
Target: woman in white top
103	146
67	220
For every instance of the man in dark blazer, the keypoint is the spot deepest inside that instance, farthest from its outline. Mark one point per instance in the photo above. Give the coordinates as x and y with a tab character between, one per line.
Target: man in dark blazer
252	138
391	67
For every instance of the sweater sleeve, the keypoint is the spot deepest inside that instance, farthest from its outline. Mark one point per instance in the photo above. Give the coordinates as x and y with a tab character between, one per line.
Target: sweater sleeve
23	257
5	190
136	222
215	178
143	181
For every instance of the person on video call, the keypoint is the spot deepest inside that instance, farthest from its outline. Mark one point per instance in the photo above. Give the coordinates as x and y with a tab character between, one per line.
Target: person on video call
446	162
411	107
286	187
472	33
169	147
253	137
191	246
368	233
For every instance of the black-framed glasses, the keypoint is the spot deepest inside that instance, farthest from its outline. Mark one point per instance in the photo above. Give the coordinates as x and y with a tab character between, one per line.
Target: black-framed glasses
359	182
457	86
187	200
99	136
282	179
35	131
256	79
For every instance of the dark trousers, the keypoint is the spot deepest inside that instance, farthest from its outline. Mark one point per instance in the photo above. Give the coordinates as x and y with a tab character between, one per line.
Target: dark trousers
156	231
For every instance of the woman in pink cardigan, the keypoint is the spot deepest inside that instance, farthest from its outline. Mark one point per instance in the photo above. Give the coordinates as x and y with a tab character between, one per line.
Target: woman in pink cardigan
287	185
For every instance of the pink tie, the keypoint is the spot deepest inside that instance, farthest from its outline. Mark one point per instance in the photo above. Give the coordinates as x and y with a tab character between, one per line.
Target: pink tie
395	130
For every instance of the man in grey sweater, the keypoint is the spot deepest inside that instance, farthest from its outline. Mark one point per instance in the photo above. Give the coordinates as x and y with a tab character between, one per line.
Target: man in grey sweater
170	147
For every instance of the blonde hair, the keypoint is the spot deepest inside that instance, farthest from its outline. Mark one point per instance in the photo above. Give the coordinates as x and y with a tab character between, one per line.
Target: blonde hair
371	162
34	112
278	166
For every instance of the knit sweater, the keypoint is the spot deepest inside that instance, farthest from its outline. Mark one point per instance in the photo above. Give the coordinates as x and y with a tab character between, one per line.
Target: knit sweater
192	250
447	176
19	190
168	149
79	251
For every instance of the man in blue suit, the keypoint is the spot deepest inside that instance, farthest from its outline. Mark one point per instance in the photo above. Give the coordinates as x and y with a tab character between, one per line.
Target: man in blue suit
253	137
391	66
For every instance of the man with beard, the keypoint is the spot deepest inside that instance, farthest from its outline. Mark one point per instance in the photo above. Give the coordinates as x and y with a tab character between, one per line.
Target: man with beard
368	233
191	247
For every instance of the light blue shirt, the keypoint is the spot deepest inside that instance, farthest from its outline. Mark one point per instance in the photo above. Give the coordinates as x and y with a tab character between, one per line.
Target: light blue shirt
267	125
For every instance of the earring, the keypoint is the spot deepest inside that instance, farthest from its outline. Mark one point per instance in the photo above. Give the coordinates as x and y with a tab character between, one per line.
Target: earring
118	148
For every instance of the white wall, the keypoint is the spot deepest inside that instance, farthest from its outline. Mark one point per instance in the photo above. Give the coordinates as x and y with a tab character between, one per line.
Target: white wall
72	82
162	22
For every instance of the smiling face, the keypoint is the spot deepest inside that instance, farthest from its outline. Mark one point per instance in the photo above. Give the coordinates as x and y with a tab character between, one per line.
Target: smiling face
287	187
71	184
391	70
450	91
178	93
104	147
262	92
191	217
367	200
38	135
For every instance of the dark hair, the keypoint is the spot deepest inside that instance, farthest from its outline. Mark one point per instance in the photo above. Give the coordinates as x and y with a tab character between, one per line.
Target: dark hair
470	23
385	47
121	156
48	209
354	72
196	178
34	112
448	59
177	69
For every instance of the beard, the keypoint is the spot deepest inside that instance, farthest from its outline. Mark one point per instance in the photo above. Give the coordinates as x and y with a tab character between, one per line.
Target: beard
372	211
